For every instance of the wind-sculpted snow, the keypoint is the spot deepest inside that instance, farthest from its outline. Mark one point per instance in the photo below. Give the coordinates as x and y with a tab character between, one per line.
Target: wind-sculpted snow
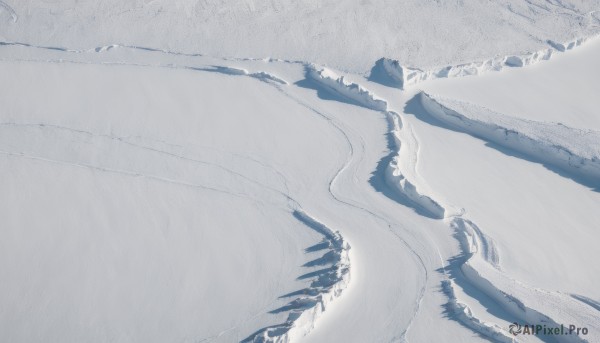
478	261
564	46
328	284
464	314
403	76
81	148
524	303
350	37
573	150
349	90
397	176
224	69
481	268
403	164
261	75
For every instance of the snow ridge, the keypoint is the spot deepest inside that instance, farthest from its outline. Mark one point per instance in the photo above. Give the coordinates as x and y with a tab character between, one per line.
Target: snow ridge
261	75
404	76
465	316
482	266
573	150
400	180
403	166
482	269
327	285
353	91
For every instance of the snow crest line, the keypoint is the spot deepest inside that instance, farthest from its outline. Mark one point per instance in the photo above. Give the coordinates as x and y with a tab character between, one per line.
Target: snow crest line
402	76
328	284
344	131
481	266
573	150
465	316
260	75
397	178
399	183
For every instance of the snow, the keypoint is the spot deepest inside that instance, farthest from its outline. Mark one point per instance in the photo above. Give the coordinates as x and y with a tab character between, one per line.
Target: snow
349	35
310	171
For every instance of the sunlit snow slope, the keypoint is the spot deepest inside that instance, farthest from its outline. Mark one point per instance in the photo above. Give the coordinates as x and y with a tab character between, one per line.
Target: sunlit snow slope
396	172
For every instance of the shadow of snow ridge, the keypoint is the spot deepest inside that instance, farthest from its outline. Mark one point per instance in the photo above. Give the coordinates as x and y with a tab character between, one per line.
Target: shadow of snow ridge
327	284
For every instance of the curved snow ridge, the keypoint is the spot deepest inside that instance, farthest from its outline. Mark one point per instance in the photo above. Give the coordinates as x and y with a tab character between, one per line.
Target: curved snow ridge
531	305
464	314
473	241
524	303
327	285
403	76
10	11
573	150
481	269
479	248
261	75
400	179
350	90
401	174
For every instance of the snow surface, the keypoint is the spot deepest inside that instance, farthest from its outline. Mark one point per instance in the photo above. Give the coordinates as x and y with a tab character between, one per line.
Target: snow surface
217	171
350	35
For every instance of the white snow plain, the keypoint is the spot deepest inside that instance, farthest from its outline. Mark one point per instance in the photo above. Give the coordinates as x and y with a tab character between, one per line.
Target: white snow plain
219	171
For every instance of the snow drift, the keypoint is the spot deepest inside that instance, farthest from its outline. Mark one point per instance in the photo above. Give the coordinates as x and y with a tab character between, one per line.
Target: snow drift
404	76
397	174
573	150
328	284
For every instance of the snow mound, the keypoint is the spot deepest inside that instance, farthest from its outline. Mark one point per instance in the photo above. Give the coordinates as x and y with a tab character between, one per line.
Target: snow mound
570	149
327	285
403	76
